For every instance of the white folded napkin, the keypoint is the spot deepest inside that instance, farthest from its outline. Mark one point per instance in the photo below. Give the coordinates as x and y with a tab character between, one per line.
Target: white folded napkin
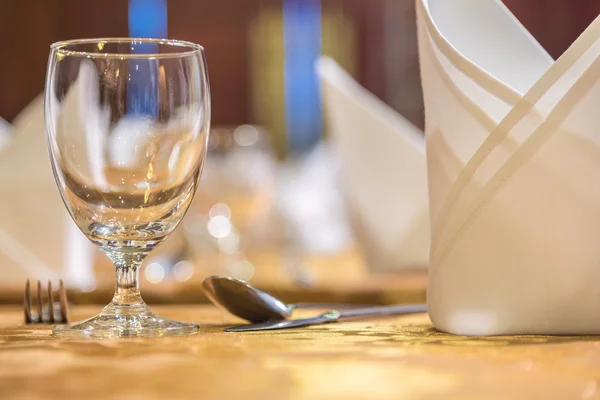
513	158
384	172
5	133
38	239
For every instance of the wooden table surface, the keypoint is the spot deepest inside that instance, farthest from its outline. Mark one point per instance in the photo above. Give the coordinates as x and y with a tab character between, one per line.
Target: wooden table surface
397	358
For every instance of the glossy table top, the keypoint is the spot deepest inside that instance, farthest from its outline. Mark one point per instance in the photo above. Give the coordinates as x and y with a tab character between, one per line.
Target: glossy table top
394	358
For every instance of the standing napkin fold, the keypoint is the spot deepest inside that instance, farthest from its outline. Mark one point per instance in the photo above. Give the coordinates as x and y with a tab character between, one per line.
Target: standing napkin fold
384	172
514	214
38	239
5	133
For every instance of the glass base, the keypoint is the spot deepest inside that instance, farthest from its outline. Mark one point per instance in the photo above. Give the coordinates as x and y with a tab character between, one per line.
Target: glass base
125	321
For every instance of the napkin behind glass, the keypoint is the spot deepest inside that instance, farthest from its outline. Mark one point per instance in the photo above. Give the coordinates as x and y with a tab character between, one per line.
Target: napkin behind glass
38	239
383	169
513	156
5	133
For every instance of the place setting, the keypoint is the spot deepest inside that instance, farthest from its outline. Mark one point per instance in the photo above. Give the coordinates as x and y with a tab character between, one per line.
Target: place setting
275	214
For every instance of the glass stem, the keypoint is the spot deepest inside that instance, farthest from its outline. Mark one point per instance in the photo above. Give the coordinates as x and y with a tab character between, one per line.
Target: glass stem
127	288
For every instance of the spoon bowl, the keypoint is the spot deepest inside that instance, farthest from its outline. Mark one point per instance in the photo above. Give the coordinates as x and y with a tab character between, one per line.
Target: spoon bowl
244	300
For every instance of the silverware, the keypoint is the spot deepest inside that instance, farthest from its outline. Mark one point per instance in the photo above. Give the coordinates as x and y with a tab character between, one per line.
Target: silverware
252	304
47	311
332	316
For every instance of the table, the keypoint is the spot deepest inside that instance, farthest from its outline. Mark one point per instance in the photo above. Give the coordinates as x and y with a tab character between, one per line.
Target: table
394	358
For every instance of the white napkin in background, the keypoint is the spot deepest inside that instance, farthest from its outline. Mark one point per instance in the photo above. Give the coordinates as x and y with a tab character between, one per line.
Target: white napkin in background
513	158
384	173
38	239
5	133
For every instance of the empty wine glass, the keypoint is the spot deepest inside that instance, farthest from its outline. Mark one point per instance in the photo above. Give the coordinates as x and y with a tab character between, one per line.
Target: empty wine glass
127	125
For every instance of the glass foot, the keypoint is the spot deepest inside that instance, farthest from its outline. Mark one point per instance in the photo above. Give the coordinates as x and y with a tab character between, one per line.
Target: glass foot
117	322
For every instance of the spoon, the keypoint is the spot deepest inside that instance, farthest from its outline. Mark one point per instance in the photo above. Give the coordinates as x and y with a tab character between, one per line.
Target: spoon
252	304
331	316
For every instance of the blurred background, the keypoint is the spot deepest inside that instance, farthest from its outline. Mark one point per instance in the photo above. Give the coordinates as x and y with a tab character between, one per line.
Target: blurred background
270	205
259	48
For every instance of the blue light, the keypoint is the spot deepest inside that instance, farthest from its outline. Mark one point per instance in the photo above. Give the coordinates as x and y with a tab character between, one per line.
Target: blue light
148	18
302	46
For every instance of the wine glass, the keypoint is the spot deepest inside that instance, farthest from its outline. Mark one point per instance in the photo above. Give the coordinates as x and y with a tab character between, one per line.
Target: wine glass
127	124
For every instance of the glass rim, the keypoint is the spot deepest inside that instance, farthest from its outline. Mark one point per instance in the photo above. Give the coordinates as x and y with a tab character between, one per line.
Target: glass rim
188	48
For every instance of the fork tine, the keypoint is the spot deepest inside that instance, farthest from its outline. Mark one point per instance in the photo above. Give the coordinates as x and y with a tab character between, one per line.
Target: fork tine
50	303
27	303
64	311
44	299
39	301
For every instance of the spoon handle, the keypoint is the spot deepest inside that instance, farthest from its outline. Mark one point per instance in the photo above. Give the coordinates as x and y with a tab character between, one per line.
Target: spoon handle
383	310
331	316
328	306
293	323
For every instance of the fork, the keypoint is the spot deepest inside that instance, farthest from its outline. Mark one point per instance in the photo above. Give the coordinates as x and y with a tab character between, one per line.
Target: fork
48	311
